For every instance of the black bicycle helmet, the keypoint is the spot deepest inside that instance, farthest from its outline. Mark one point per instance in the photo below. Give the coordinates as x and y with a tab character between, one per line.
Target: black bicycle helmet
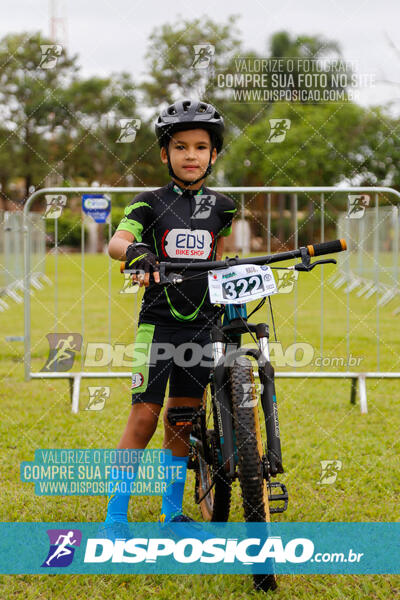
190	114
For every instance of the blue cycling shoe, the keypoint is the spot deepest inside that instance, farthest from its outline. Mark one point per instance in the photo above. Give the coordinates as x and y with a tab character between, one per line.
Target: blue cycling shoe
115	530
181	518
186	527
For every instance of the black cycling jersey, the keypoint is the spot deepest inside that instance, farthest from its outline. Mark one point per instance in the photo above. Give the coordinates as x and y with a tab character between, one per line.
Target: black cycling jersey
179	226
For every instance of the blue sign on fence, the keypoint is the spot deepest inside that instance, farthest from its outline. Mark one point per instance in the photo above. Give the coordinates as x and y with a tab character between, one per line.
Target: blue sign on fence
98	206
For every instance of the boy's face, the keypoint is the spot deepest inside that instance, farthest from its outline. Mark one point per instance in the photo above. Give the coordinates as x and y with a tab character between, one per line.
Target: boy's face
189	153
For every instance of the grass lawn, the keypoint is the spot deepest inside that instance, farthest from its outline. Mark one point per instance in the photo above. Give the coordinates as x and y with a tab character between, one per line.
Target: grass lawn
317	423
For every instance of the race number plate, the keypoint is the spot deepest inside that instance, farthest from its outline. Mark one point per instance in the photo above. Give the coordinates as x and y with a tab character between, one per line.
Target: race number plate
240	284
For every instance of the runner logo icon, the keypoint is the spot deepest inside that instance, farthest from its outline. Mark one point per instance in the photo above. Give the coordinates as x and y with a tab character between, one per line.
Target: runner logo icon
62	547
62	349
204	204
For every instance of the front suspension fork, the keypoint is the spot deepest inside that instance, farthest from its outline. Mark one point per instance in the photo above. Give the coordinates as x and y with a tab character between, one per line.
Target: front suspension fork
268	397
269	402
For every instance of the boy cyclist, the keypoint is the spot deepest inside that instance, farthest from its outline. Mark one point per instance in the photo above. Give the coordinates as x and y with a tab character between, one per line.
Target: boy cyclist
181	222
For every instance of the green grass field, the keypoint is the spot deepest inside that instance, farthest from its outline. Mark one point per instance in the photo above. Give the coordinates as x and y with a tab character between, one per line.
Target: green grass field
317	423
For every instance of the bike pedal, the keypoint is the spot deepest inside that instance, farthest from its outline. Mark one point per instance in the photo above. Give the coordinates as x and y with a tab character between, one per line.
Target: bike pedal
278	497
182	415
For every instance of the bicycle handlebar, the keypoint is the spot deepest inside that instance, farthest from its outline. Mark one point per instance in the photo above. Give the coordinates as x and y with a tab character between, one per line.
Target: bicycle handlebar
310	250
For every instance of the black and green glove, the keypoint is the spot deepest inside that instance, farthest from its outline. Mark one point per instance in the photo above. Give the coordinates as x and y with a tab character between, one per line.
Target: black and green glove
140	258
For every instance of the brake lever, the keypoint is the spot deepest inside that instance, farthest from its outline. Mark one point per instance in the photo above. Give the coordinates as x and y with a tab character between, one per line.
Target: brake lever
310	266
306	265
173	278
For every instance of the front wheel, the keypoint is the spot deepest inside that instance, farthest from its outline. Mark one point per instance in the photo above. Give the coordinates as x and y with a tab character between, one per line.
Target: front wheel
215	504
250	451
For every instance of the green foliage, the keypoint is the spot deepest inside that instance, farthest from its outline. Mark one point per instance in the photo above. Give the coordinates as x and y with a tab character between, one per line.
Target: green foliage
116	216
170	57
282	45
96	106
63	129
171	76
27	95
319	148
69	225
58	124
68	229
378	152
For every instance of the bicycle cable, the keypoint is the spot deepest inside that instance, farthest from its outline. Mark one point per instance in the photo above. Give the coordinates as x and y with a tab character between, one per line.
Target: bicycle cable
245	324
198	276
204	275
259	305
272	317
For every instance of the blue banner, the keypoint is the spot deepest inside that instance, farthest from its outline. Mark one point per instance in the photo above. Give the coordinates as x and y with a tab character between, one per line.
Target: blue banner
98	206
283	548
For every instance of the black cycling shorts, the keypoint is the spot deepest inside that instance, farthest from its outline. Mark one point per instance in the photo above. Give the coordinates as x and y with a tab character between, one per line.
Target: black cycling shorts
178	353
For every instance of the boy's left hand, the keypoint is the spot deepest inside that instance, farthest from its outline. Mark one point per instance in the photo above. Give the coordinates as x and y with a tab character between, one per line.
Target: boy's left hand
139	257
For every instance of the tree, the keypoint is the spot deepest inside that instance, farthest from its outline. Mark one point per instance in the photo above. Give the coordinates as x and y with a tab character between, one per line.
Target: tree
27	94
171	56
377	155
171	73
87	144
282	45
318	148
323	146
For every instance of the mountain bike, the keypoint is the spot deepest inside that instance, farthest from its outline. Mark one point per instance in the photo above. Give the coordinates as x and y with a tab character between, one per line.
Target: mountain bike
227	440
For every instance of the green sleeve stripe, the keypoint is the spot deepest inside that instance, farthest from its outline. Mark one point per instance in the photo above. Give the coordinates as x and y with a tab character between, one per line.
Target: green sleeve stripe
132	226
230	211
132	207
225	232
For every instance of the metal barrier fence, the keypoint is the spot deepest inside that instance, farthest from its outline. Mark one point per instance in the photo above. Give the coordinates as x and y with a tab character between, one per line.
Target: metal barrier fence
374	239
323	217
12	255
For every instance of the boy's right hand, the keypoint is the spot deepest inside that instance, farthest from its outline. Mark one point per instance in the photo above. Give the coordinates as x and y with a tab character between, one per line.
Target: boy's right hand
142	260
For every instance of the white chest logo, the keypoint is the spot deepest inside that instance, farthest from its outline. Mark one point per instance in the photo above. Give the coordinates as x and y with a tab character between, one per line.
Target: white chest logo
181	243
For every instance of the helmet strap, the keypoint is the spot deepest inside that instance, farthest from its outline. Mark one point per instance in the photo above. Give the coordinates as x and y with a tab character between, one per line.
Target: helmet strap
187	183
